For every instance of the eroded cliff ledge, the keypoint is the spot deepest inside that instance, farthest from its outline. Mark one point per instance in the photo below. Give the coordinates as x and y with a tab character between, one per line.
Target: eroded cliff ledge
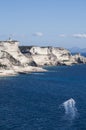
49	56
12	61
24	59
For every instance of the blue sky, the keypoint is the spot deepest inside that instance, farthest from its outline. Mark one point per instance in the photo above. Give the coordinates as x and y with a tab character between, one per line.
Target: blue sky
44	22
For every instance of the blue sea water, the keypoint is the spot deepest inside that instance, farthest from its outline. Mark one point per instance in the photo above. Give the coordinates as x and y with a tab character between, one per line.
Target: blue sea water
35	101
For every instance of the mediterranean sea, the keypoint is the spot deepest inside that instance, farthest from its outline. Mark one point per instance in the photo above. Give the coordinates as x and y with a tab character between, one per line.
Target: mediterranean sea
52	100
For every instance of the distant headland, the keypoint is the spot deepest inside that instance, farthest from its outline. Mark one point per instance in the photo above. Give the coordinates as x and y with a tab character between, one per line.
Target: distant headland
16	59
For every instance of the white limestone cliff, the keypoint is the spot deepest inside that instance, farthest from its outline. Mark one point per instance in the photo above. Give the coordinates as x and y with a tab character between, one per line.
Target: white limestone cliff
49	55
52	56
12	61
11	48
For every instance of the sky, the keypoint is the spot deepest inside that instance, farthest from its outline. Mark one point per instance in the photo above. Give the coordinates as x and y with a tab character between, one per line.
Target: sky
44	22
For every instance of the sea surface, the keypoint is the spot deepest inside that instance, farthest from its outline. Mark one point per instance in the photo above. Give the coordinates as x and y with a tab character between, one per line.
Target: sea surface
53	100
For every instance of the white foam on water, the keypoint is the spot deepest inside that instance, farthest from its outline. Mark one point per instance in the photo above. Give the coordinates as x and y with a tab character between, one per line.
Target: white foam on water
38	73
70	108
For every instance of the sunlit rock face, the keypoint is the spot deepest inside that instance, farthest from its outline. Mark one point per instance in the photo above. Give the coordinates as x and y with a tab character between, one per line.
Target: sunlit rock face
79	59
51	56
9	49
11	58
27	59
48	55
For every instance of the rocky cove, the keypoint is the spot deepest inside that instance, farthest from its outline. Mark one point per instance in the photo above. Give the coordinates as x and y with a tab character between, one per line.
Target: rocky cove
16	59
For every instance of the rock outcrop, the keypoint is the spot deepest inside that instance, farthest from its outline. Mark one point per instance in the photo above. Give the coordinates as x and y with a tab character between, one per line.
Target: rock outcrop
12	61
31	59
42	56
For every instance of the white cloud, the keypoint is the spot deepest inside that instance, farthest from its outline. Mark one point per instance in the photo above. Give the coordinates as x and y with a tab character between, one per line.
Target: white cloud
62	35
79	35
39	34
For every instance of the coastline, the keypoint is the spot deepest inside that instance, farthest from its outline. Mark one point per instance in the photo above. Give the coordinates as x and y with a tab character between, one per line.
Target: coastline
21	70
4	73
22	60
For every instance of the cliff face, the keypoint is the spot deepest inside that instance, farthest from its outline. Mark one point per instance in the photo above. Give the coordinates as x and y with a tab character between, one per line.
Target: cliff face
26	59
12	60
10	50
51	56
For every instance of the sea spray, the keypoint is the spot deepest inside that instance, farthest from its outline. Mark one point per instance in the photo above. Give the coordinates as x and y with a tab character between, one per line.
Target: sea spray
70	108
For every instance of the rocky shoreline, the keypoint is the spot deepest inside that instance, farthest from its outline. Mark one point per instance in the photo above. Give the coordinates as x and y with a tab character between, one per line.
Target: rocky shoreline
51	56
15	59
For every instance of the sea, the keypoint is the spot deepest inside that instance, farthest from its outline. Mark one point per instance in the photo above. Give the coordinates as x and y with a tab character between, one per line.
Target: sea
52	100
